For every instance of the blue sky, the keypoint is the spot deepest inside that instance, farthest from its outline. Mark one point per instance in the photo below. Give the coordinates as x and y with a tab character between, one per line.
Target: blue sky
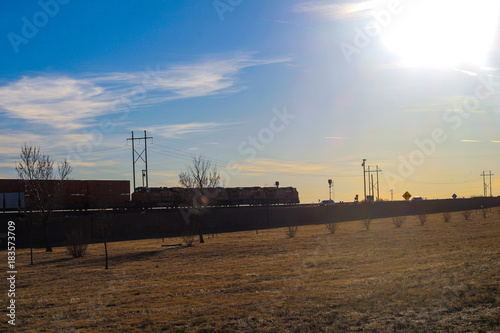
295	91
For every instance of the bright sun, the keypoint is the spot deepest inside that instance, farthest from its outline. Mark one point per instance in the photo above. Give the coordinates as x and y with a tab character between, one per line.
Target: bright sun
444	32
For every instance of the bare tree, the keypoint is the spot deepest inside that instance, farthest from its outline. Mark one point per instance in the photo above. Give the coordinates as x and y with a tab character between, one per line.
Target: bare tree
291	231
446	216
76	243
103	220
201	180
466	214
422	219
398	221
366	223
332	227
43	186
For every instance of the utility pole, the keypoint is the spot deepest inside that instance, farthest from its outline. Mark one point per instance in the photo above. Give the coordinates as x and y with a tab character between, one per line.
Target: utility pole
392	194
378	189
371	184
364	176
330	188
485	185
145	173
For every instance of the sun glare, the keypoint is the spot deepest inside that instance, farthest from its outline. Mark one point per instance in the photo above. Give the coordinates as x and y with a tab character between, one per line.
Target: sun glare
444	32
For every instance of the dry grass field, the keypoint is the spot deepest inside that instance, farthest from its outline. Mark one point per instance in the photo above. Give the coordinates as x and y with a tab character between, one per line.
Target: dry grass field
436	277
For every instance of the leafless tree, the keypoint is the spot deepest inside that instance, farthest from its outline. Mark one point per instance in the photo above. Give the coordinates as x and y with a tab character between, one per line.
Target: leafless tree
398	221
291	231
76	243
332	227
466	214
201	180
103	220
43	185
366	223
422	218
446	216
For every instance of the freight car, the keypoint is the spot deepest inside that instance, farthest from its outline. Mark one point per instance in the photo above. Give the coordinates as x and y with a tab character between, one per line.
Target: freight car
75	194
148	197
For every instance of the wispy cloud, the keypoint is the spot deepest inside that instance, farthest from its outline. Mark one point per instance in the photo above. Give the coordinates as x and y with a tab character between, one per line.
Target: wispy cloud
59	101
74	102
268	166
353	10
13	141
178	130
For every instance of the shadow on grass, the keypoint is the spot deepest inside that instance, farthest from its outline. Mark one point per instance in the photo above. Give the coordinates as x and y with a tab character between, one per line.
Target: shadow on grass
124	258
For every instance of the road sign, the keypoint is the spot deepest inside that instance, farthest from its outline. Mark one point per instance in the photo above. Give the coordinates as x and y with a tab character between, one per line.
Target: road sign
454	196
407	196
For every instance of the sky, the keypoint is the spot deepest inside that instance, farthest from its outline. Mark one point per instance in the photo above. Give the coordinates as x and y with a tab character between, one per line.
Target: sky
295	91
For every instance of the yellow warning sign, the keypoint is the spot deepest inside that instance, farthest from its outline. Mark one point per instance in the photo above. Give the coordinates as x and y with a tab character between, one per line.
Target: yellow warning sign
407	196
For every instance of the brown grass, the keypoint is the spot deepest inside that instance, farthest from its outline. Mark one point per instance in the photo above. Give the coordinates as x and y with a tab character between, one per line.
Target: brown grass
436	277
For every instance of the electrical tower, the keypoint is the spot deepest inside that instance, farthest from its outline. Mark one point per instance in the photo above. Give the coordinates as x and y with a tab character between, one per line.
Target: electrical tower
144	158
485	184
372	186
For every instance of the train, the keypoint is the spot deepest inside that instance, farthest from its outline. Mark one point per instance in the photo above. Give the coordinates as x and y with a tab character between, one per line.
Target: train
94	194
75	194
219	196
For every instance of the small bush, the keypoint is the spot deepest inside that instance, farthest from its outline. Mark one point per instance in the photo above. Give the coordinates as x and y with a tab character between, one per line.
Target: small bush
422	218
367	223
484	212
398	221
466	214
332	227
188	239
291	231
77	244
447	216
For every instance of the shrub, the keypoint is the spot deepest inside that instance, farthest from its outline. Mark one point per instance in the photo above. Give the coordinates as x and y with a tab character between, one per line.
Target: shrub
332	227
398	221
77	244
291	231
422	218
466	214
447	216
367	223
484	212
188	239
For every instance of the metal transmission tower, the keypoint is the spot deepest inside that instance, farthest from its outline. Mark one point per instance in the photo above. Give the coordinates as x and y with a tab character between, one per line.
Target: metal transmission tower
485	185
372	186
135	153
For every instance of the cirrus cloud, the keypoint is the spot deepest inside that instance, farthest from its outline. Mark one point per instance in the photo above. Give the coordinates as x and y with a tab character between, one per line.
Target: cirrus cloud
74	102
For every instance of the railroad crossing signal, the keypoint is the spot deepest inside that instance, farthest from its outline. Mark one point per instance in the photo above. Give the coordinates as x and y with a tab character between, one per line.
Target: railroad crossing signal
407	196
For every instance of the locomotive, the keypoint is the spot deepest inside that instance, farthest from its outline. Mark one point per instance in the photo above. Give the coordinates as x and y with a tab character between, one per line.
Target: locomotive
219	196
